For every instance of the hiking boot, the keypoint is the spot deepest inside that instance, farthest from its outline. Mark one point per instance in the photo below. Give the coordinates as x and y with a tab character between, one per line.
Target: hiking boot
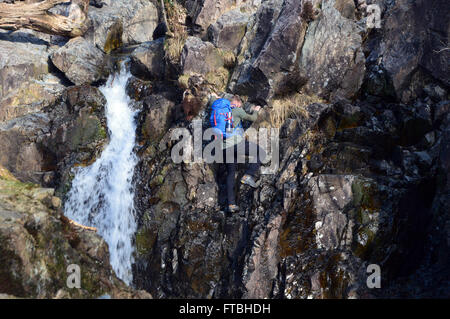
233	208
248	180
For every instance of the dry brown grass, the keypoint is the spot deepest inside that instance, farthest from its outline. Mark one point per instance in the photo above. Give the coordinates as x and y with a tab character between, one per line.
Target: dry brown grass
229	59
288	106
183	81
218	79
308	12
6	175
176	37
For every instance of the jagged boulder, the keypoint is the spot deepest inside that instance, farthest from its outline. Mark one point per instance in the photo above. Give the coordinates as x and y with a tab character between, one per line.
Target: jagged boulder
21	154
158	118
227	32
78	134
122	22
147	60
332	58
203	13
200	57
270	51
26	82
410	50
81	61
78	119
140	27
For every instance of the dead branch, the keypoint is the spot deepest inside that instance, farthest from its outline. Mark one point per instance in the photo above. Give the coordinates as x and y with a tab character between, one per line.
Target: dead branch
81	226
35	16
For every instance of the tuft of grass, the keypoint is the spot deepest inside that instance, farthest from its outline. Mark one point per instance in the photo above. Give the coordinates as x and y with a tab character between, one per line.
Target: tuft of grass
308	13
218	79
229	58
175	39
291	105
6	175
183	81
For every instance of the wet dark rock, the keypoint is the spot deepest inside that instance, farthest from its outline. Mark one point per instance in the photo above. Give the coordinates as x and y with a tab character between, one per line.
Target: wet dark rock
160	31
43	147
338	203
158	117
138	89
405	60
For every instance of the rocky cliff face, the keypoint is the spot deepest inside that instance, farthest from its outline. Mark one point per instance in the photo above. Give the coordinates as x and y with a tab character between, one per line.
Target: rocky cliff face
364	150
38	244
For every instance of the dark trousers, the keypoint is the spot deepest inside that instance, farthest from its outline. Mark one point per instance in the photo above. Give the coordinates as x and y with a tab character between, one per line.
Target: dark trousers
252	168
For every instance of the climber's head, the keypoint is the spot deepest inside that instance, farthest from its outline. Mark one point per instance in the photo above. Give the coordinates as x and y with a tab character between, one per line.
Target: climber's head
236	101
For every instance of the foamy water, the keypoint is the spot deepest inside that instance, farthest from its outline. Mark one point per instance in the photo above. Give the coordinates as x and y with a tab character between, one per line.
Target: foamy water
102	194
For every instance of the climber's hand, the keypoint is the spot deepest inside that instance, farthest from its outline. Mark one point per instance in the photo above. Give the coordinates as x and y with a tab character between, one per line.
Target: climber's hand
256	108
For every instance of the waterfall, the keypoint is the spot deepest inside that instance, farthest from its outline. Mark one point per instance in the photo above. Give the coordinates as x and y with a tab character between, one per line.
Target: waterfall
102	194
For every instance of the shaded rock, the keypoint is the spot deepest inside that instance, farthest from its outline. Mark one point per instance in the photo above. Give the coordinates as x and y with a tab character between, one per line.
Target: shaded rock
262	268
40	146
160	31
402	53
442	110
158	117
81	62
78	132
272	51
436	92
78	120
147	60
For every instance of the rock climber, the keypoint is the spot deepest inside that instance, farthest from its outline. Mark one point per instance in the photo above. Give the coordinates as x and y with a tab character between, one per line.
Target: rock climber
227	117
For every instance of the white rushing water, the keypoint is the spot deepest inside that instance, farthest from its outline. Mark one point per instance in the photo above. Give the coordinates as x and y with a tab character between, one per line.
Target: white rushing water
102	194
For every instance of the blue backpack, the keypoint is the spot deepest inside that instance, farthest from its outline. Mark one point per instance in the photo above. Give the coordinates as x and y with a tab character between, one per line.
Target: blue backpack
221	115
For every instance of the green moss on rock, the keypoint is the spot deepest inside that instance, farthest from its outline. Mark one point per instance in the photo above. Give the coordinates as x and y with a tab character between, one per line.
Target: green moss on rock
114	37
